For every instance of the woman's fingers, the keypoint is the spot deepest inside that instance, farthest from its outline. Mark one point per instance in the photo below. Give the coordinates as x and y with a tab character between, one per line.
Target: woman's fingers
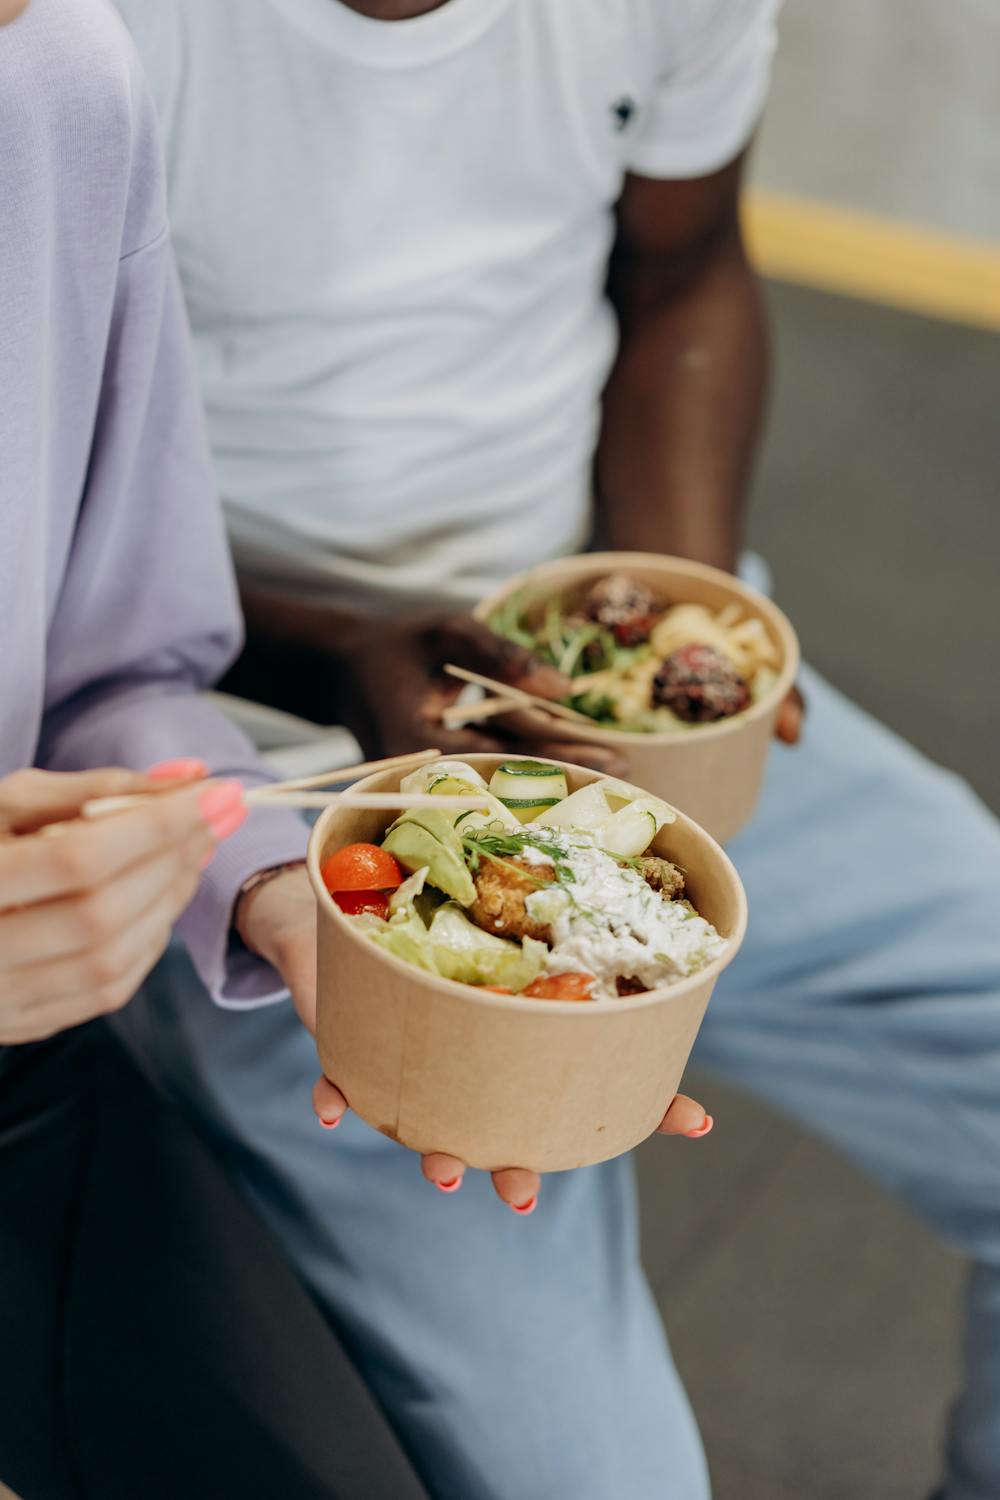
686	1117
446	1172
515	1186
518	1188
46	997
84	921
329	1104
86	854
33	799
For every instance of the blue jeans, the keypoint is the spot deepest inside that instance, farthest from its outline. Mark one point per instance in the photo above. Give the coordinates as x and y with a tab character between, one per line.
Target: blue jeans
524	1359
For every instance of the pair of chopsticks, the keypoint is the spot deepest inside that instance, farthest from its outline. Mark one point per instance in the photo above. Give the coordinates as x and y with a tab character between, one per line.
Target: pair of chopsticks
505	700
302	791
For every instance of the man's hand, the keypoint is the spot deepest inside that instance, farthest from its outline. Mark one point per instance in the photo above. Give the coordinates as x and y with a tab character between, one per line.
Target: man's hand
399	673
791	714
86	908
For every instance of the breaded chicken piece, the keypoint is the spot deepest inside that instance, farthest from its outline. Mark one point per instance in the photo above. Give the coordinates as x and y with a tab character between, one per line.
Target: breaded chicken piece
662	876
501	890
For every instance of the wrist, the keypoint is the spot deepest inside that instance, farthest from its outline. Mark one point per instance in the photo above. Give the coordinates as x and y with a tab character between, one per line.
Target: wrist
249	891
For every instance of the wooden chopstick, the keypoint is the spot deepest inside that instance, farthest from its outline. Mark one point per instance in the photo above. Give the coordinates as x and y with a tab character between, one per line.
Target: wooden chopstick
518	695
412	760
101	807
457	714
366	799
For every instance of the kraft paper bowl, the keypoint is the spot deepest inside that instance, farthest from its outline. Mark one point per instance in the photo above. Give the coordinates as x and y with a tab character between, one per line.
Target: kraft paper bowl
500	1081
714	772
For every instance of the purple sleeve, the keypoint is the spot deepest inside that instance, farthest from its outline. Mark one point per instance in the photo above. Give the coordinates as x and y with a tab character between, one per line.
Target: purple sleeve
147	613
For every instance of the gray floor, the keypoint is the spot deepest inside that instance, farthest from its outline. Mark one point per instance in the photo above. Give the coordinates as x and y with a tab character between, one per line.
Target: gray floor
815	1325
889	106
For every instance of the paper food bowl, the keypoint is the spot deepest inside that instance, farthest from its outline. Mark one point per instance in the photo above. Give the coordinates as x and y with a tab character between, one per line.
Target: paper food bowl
501	1081
714	772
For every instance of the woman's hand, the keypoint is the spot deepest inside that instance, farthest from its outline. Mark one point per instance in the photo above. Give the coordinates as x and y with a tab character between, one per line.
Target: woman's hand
277	920
515	1186
87	907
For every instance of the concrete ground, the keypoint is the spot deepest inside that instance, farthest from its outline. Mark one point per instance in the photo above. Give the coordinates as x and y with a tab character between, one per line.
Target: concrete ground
816	1325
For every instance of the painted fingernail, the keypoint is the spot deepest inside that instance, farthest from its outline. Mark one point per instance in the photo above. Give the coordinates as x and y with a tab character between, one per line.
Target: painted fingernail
186	768
451	1186
526	1208
695	1135
219	804
329	1124
226	824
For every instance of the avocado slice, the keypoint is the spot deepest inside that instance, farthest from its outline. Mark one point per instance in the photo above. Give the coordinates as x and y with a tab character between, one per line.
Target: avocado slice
417	846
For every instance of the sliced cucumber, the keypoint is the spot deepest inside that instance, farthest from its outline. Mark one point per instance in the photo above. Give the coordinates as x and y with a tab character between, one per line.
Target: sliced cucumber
632	829
424	776
454	786
528	787
584	809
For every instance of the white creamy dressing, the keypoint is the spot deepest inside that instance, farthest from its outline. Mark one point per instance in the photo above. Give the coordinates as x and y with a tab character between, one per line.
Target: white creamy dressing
608	922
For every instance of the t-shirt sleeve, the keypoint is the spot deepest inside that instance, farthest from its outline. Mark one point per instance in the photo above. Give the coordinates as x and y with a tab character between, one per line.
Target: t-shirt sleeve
710	93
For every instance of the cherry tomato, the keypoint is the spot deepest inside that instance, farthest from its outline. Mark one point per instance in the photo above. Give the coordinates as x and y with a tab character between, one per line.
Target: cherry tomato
353	903
496	989
361	867
572	986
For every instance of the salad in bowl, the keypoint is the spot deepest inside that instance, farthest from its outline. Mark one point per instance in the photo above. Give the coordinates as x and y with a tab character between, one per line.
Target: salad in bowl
545	894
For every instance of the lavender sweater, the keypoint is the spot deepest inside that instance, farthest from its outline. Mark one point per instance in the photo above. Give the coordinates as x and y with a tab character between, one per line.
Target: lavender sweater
117	601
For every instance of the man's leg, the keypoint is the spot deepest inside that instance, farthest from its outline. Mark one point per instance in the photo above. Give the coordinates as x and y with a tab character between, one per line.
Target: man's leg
519	1359
866	1002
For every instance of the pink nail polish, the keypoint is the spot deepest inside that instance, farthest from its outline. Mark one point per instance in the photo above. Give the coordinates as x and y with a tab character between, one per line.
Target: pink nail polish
451	1186
185	768
329	1124
526	1208
696	1135
219	799
227	823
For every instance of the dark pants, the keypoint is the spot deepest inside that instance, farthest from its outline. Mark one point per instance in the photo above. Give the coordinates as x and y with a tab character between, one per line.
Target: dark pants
154	1345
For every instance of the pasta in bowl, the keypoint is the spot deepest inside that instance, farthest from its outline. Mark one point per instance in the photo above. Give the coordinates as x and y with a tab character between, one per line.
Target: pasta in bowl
680	667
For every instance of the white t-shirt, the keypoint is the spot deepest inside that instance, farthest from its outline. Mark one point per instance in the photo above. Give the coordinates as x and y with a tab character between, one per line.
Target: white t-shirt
393	238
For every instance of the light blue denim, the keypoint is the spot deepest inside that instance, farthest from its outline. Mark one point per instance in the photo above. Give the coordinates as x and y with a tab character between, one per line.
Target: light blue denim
523	1359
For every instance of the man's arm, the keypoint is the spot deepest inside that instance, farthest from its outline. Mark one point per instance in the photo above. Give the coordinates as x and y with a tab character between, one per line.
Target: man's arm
683	405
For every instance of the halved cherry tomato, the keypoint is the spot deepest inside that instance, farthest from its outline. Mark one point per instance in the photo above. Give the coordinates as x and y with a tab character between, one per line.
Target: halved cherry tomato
361	867
353	903
496	989
571	986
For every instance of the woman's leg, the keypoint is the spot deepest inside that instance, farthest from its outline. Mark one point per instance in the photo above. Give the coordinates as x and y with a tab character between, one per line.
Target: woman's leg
46	1132
185	1357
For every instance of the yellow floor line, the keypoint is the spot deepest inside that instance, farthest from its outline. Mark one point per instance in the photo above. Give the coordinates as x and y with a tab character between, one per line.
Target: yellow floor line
875	259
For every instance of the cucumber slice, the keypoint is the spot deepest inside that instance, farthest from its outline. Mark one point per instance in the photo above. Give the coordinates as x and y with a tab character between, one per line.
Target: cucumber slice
454	786
632	829
586	809
420	779
528	787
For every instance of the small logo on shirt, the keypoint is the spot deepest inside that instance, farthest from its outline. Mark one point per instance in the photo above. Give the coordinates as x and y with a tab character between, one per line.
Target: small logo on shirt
623	112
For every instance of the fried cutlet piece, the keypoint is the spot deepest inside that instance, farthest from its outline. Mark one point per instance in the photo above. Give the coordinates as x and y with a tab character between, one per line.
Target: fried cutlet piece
501	890
662	876
626	984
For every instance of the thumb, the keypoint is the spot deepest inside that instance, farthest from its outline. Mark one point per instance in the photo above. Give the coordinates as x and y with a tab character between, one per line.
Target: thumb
30	800
471	644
